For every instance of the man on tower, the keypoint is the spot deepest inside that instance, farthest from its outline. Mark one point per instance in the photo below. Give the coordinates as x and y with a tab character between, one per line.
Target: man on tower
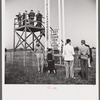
31	16
39	19
19	17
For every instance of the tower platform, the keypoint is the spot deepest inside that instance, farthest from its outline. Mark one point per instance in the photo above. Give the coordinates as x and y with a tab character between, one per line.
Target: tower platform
31	27
31	30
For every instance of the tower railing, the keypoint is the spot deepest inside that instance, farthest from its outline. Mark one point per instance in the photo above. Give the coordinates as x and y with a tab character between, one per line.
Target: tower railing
26	21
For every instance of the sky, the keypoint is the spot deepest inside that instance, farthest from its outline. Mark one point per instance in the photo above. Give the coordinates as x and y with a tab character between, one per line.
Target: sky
80	18
80	21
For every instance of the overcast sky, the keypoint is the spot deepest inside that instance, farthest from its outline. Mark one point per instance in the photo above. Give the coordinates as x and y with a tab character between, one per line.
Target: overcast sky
80	18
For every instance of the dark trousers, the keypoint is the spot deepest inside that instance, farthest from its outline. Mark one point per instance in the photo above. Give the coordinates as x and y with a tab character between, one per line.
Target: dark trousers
23	22
84	68
51	66
39	24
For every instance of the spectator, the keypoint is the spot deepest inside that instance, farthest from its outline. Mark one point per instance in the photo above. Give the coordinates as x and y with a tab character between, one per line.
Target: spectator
40	57
50	60
84	55
68	53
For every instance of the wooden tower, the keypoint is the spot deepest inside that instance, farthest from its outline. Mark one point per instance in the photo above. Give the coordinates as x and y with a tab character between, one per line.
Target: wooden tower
23	32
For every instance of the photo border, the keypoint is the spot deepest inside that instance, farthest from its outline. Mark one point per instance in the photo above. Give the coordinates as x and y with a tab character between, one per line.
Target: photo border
1	48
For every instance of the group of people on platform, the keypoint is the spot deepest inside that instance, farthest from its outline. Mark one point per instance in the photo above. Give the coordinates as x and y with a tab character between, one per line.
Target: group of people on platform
29	18
85	56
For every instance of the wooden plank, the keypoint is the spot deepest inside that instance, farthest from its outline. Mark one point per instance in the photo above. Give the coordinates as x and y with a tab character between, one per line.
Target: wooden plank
33	28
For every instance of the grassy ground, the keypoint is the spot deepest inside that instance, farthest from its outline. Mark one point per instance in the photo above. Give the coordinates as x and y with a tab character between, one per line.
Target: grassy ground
18	74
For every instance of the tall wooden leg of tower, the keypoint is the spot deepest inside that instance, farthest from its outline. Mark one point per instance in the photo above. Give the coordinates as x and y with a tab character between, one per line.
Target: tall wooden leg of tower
25	37
14	36
33	40
14	41
25	47
13	44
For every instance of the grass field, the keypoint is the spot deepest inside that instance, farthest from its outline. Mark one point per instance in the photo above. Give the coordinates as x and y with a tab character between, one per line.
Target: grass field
18	74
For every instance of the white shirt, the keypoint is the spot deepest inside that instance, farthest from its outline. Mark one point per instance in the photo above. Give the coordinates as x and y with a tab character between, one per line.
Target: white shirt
68	52
39	49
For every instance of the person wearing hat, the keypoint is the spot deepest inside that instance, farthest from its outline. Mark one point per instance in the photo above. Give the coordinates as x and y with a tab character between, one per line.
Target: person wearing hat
68	54
84	55
19	17
39	19
31	16
40	56
50	60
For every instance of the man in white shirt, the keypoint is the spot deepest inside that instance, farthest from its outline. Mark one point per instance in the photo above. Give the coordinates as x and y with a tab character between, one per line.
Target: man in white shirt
68	53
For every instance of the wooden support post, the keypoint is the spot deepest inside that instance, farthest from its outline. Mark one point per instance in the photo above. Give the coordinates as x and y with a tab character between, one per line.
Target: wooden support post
25	37
60	59
13	44
25	45
33	40
14	36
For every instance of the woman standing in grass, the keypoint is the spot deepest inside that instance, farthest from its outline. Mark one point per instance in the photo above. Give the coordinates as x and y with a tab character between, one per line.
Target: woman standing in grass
68	53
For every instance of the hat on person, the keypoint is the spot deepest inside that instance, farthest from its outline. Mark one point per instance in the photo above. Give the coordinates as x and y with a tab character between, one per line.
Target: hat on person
83	41
49	49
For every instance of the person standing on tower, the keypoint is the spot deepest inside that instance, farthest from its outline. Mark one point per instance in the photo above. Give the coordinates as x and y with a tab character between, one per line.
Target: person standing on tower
19	17
39	19
31	16
26	18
